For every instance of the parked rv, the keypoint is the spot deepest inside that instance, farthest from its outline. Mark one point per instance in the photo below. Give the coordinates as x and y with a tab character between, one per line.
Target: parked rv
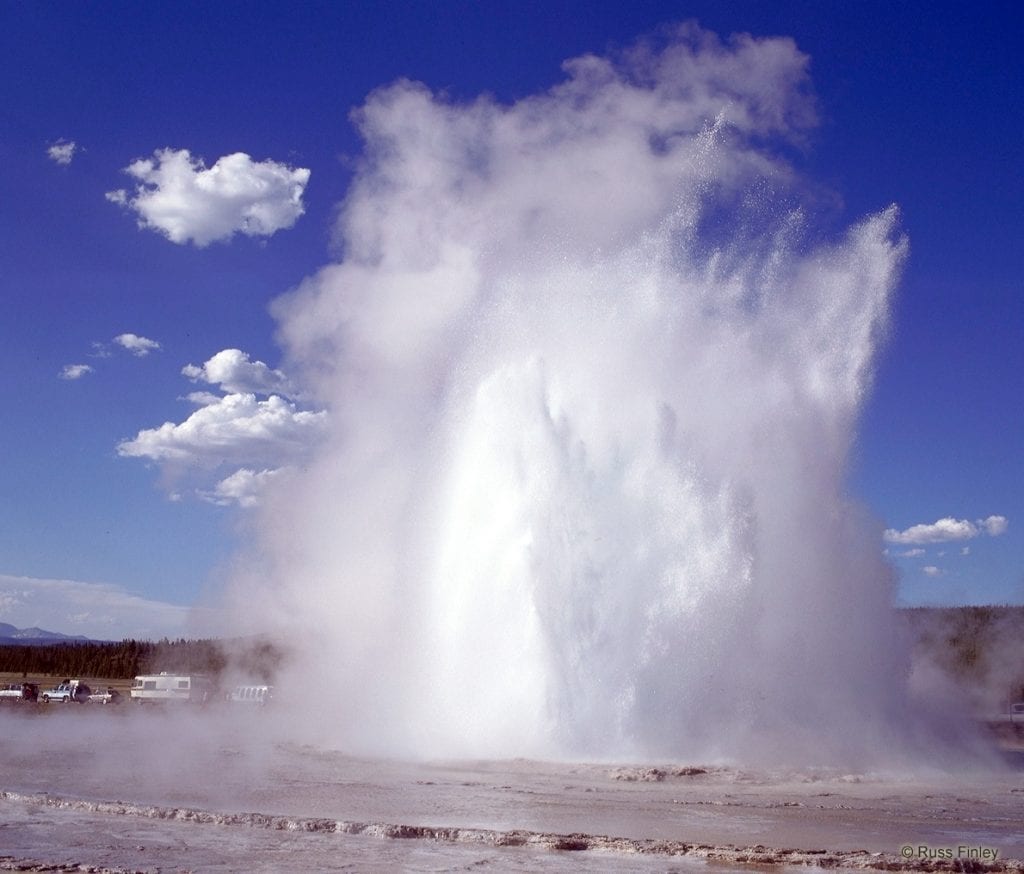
164	687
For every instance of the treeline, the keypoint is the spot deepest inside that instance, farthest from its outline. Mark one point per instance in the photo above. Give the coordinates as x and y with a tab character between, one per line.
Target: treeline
981	648
258	659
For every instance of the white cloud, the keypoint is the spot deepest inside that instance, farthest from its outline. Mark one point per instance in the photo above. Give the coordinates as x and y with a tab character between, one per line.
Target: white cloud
62	151
234	372
75	371
257	428
244	487
202	398
179	197
98	610
932	571
994	525
947	529
911	553
941	531
234	429
965	551
139	346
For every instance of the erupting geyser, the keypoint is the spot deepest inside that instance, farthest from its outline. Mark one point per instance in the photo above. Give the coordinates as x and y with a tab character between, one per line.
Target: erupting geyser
593	377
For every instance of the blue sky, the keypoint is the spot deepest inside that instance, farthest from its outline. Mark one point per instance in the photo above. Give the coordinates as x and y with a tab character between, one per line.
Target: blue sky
917	106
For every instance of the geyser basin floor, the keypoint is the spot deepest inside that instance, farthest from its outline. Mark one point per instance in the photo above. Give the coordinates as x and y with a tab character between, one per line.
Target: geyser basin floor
214	765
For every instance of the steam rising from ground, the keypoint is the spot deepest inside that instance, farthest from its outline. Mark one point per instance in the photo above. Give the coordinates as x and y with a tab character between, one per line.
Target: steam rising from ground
592	388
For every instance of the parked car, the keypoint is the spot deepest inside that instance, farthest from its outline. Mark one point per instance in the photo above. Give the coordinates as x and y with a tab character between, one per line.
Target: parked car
10	691
258	694
1012	714
19	692
110	696
71	690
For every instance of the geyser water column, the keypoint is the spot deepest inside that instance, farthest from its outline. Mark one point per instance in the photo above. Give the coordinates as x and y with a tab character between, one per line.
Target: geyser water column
593	378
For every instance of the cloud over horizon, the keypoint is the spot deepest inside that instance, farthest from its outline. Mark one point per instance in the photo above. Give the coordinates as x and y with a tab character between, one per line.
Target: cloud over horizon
180	197
102	611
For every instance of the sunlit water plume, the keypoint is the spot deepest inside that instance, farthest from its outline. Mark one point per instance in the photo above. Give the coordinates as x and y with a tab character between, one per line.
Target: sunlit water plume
594	378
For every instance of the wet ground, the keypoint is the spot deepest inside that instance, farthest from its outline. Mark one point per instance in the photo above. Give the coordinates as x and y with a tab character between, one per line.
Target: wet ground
217	792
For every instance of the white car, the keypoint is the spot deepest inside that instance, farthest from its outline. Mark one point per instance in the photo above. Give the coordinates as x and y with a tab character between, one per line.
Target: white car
10	690
13	692
66	692
259	694
1014	714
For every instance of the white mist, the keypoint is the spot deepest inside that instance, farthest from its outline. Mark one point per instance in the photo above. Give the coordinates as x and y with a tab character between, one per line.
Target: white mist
593	380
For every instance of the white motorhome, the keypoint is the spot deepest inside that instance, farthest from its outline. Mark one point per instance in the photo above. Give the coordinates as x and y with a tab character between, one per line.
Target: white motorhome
163	687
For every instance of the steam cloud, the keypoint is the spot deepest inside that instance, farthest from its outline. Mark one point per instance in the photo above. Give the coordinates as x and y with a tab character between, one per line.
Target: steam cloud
591	389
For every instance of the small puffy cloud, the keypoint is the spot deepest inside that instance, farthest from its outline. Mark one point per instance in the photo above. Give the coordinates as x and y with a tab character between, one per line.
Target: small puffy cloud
941	531
180	197
234	429
911	553
965	551
62	152
932	571
994	525
235	373
244	487
75	371
98	610
139	346
947	529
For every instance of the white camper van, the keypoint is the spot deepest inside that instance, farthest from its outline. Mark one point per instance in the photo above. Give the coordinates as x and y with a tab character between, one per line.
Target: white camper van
257	694
159	688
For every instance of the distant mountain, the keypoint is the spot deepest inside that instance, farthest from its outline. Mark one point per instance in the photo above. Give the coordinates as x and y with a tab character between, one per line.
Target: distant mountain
10	634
